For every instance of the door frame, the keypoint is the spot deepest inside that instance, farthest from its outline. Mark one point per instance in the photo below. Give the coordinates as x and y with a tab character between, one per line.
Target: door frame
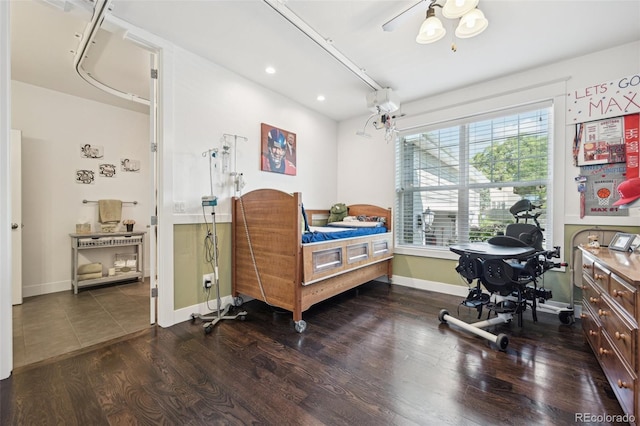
164	188
163	232
6	322
16	217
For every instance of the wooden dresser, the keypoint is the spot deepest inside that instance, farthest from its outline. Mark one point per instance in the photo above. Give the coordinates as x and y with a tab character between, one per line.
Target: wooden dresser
610	309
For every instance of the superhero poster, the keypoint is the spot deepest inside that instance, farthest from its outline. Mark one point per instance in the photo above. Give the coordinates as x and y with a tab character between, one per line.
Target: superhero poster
278	150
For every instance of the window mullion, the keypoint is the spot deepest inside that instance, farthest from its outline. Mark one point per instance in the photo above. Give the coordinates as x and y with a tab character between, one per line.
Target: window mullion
463	191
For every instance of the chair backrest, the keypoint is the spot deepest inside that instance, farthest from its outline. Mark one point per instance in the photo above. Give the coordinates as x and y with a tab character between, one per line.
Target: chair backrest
469	267
528	233
498	277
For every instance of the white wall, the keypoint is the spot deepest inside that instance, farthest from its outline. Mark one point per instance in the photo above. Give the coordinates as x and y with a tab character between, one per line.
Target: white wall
366	166
54	126
210	101
201	101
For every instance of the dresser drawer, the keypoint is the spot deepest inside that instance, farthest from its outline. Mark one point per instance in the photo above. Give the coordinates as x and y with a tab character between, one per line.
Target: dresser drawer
621	378
619	329
623	294
591	328
587	265
601	276
591	295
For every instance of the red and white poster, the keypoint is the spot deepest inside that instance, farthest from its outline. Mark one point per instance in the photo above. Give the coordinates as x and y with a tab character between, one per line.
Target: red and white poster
609	141
631	130
600	192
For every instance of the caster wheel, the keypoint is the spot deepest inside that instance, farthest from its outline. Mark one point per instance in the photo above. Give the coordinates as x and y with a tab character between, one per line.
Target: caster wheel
566	317
441	315
242	317
502	341
208	329
237	301
300	326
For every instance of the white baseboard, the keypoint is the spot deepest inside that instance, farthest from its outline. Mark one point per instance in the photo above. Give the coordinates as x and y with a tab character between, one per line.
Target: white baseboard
452	289
46	288
184	314
463	291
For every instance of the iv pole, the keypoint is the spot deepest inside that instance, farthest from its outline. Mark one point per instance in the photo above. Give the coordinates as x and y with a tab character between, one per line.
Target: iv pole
238	182
211	242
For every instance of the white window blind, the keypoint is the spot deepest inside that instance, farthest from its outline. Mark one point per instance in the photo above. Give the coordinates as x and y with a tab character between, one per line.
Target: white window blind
466	174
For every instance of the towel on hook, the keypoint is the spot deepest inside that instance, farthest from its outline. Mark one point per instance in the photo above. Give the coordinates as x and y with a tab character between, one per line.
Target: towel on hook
109	211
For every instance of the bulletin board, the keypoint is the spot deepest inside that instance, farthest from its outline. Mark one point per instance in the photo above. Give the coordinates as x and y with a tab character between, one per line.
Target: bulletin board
606	117
608	141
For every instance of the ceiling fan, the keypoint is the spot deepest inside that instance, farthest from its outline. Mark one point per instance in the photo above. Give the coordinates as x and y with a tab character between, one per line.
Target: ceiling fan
472	20
398	20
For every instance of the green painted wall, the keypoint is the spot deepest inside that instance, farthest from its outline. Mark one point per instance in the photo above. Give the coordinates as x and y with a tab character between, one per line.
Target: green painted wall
426	268
190	265
443	271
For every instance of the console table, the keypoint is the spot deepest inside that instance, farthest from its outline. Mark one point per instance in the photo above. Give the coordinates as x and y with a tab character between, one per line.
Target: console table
98	241
610	317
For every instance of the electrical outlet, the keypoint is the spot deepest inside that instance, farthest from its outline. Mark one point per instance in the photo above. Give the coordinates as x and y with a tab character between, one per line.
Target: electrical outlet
179	207
207	280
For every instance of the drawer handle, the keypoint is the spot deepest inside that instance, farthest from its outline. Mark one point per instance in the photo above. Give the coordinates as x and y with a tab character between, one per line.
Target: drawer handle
621	336
583	316
585	266
602	313
623	385
604	351
594	300
598	277
618	293
593	333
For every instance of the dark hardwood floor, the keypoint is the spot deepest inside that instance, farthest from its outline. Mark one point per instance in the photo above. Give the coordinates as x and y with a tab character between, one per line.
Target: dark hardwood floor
380	357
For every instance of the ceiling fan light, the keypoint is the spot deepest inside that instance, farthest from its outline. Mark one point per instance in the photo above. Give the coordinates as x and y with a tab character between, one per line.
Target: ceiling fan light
472	24
456	8
431	30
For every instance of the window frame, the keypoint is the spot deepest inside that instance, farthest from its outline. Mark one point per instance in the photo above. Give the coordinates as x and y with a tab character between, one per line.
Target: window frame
453	117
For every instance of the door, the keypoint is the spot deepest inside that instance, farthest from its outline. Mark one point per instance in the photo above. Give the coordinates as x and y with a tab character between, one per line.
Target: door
16	217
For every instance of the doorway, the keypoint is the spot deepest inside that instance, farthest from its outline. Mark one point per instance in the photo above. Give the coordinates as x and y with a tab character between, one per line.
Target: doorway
51	306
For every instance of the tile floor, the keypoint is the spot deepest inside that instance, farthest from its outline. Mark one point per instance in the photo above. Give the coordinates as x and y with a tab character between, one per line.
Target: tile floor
57	323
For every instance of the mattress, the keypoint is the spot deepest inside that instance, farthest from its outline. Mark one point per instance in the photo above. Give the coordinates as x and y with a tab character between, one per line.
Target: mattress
326	233
355	224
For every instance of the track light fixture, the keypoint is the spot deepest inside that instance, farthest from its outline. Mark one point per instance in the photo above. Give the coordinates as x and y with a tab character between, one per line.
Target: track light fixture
472	20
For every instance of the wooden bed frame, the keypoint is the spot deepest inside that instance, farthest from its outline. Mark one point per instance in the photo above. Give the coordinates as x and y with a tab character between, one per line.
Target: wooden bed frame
270	263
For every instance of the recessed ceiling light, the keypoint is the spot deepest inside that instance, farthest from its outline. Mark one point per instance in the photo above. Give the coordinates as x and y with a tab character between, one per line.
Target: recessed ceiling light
320	98
270	70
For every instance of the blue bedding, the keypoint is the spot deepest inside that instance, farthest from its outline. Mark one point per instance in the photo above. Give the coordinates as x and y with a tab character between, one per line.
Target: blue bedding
315	236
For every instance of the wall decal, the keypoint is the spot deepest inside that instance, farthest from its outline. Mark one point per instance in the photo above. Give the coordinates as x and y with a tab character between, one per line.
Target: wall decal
107	170
91	151
129	165
86	177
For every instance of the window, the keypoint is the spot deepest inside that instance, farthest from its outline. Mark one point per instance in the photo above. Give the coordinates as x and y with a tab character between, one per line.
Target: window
456	181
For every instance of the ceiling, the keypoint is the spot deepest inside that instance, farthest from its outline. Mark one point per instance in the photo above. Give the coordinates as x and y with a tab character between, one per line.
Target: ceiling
247	36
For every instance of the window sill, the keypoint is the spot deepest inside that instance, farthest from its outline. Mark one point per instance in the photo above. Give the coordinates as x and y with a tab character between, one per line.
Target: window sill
444	254
437	253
